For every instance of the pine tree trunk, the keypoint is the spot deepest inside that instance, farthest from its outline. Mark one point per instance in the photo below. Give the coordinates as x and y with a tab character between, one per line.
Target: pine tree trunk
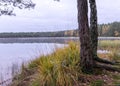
94	32
86	61
93	27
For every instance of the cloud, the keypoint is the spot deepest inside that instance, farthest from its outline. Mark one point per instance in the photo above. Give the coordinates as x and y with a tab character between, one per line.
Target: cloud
108	10
49	15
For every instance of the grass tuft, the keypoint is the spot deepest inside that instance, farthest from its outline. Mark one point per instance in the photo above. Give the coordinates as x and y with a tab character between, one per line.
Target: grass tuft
60	68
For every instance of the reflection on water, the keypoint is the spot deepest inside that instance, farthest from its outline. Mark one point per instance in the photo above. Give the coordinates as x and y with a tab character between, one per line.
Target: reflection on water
38	40
17	53
48	39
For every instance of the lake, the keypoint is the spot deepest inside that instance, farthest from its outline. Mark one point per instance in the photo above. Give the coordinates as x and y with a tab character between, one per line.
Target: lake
48	39
15	51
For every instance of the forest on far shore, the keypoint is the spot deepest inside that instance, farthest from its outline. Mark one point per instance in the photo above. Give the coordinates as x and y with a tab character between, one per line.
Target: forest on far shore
104	30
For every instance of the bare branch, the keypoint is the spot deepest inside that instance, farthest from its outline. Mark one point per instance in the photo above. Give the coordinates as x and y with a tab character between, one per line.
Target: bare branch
7	6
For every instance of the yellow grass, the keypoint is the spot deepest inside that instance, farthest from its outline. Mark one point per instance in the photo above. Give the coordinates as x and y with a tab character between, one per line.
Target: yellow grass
61	68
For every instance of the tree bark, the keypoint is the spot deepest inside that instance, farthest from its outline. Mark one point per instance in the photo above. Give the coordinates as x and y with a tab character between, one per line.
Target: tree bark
94	32
86	61
93	27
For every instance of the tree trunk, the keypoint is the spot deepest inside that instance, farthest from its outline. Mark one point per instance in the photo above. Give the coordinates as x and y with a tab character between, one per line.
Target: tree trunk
93	27
94	32
86	61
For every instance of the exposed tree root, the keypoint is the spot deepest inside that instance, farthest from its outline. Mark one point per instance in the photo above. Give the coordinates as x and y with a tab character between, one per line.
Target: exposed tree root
117	62
104	61
96	58
107	67
103	64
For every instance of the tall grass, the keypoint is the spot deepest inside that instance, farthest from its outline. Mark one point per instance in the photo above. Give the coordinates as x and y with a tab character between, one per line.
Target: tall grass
107	44
61	68
113	46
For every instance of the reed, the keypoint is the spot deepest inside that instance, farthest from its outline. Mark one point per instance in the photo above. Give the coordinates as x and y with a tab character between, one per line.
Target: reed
109	44
113	46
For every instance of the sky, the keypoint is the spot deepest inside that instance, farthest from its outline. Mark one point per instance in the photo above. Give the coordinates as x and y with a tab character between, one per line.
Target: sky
49	15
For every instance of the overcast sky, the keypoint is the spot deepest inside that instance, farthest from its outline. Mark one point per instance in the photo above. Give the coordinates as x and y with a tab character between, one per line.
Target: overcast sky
49	15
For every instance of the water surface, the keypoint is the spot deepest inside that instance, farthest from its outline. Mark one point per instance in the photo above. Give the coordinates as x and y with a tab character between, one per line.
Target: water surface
14	54
15	51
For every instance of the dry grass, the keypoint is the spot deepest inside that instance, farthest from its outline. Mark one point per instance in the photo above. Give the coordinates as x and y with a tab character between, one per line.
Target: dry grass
61	68
113	46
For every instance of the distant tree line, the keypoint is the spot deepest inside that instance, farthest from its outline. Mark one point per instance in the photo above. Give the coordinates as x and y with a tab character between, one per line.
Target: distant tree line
106	30
39	34
110	29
